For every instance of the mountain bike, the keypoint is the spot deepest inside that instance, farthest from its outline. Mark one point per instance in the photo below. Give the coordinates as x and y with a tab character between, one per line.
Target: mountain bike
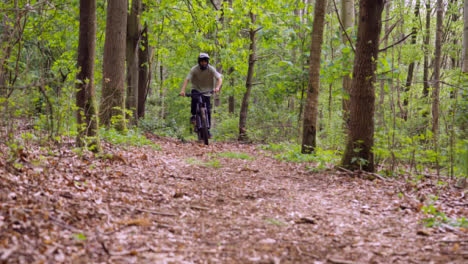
202	124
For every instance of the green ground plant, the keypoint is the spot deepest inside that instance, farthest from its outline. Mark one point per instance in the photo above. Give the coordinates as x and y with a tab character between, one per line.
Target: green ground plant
132	137
321	159
214	163
234	155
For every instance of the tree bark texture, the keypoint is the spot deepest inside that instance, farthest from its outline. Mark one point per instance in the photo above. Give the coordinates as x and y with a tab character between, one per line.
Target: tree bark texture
437	65
248	84
313	88
347	17
133	39
86	95
358	153
144	72
113	84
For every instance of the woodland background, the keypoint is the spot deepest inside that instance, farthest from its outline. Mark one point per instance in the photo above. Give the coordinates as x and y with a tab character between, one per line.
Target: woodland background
264	50
340	134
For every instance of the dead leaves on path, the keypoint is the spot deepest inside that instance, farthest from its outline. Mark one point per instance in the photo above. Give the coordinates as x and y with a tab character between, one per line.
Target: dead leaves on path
145	206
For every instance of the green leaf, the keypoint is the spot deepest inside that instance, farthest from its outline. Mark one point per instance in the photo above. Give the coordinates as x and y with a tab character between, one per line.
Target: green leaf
80	237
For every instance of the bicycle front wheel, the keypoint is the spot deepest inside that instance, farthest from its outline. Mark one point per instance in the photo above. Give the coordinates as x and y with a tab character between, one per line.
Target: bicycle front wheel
204	125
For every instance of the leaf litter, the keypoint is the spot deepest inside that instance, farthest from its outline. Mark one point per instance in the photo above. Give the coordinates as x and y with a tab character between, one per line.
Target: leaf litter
190	203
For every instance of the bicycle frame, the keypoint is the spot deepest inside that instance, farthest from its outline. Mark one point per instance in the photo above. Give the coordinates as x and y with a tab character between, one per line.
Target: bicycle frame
202	123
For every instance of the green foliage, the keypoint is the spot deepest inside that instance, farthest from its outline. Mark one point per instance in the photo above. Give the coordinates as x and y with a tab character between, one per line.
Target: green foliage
235	155
437	218
292	153
461	168
274	221
214	163
43	55
226	126
168	128
80	237
132	137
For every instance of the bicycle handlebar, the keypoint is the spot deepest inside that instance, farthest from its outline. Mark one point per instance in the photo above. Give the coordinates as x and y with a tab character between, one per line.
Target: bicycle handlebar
198	93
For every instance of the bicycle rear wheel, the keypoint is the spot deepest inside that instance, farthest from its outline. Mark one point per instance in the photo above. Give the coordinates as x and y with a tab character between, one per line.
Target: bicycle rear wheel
204	125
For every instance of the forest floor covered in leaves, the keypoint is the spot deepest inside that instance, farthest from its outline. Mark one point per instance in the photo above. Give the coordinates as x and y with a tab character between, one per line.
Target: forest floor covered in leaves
190	203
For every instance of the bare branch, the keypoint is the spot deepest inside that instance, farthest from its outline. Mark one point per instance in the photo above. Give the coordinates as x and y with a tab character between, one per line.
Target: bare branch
214	5
343	28
396	43
389	31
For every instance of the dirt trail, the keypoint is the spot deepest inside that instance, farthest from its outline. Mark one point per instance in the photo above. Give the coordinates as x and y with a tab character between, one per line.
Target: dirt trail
187	204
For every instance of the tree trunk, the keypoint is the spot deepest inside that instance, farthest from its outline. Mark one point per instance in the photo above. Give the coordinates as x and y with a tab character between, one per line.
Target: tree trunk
231	104
133	39
162	91
454	60
86	95
437	65
248	84
347	16
144	73
219	67
5	54
113	84
380	105
358	153
409	77
311	109
426	50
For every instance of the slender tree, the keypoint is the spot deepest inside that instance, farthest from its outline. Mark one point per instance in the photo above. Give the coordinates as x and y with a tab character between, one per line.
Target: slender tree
311	109
383	81
113	83
144	72
409	77
86	95
427	40
133	39
347	17
249	80
437	65
358	152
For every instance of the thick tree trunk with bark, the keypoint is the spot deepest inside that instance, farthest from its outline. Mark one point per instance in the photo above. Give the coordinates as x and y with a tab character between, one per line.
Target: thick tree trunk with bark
248	84
86	95
311	109
347	16
358	153
113	81
144	73
437	65
133	39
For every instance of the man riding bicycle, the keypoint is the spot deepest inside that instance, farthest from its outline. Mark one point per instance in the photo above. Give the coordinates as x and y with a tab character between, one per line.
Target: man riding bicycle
203	78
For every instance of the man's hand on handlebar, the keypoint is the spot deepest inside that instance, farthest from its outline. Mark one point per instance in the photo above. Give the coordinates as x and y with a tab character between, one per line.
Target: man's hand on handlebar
182	93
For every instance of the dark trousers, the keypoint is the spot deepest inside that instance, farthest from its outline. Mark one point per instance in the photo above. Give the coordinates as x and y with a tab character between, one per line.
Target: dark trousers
206	100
